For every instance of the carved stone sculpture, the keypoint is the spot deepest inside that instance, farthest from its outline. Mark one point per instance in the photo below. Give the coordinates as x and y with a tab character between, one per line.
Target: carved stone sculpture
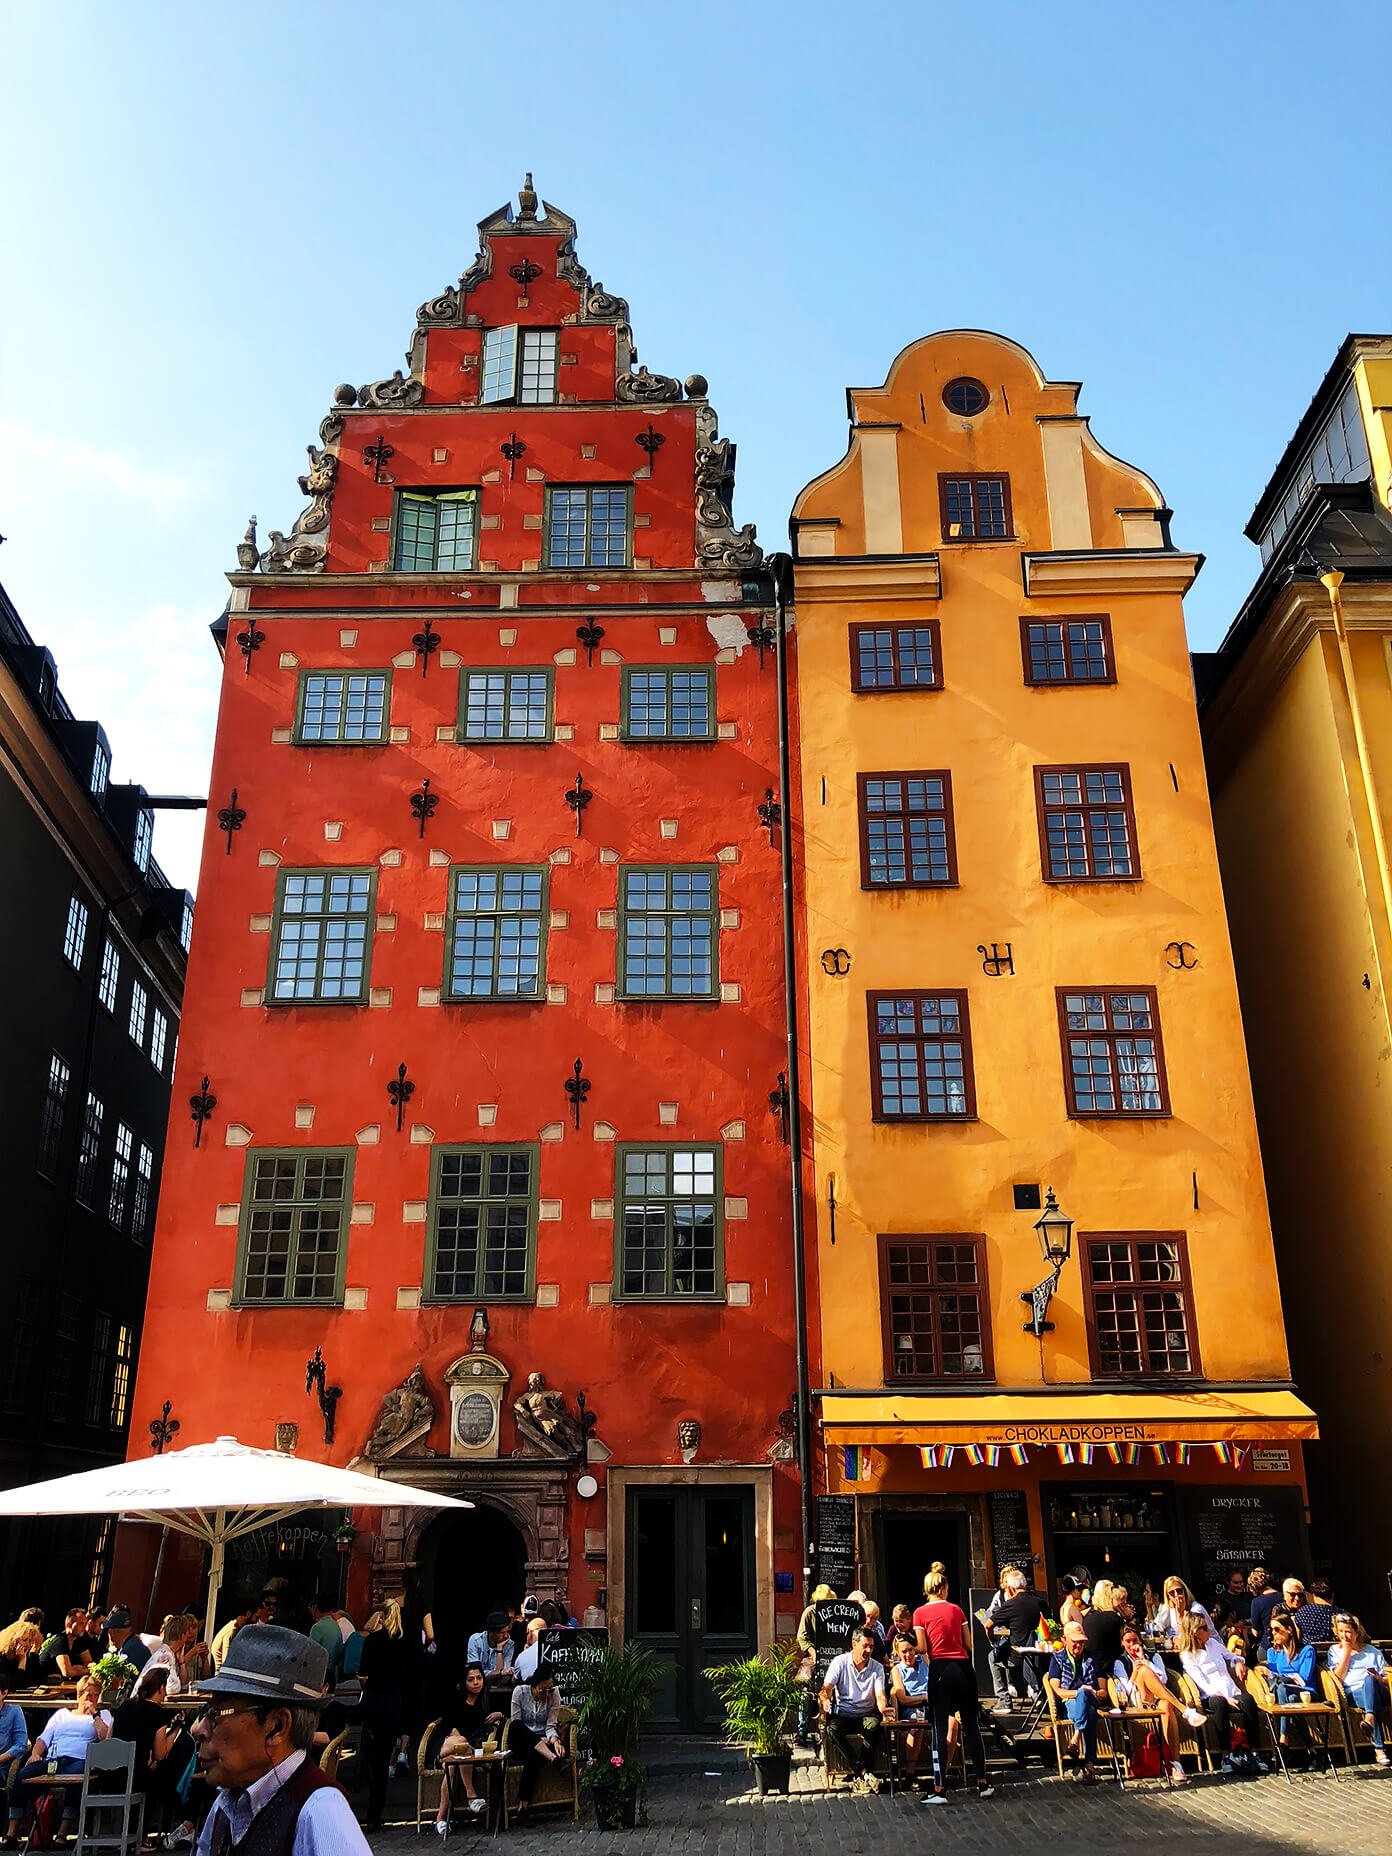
643	386
545	1421
287	554
719	544
600	306
318	480
248	554
388	395
407	1413
440	311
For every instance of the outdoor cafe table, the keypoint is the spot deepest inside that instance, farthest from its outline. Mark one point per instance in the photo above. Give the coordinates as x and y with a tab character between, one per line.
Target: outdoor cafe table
495	1781
47	1782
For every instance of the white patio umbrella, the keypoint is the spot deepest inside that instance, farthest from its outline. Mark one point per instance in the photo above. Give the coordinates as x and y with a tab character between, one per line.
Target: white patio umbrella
215	1492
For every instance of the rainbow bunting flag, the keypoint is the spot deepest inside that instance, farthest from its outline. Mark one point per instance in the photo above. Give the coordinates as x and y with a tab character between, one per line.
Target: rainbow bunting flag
1065	1452
1161	1453
1239	1456
1223	1452
993	1456
1131	1453
948	1451
975	1454
1018	1454
1114	1452
1181	1454
928	1455
1085	1454
856	1464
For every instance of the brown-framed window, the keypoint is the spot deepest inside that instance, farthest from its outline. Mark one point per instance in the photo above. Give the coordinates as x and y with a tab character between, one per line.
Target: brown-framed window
896	657
1068	651
906	837
1087	825
1113	1060
934	1307
975	507
920	1056
1140	1305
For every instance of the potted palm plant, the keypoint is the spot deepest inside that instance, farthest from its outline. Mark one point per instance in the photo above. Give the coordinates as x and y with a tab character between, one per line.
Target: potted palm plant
613	1698
758	1694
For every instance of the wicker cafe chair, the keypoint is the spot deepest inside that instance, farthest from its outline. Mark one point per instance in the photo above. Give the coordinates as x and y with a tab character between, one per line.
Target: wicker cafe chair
1196	1743
1059	1721
429	1777
1130	1719
558	1783
1355	1734
333	1752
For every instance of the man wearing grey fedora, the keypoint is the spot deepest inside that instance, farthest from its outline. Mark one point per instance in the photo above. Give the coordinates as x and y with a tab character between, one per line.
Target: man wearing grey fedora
252	1742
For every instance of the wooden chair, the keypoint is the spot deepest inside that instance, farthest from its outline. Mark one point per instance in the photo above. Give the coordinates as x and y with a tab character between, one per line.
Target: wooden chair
429	1775
558	1782
1355	1734
1062	1726
332	1753
111	1813
1322	1713
1197	1743
1152	1719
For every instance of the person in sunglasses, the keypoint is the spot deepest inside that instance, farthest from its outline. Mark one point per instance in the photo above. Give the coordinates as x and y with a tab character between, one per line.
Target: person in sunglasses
253	1740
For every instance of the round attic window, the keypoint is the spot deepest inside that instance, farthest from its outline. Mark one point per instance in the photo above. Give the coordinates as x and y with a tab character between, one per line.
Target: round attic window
965	396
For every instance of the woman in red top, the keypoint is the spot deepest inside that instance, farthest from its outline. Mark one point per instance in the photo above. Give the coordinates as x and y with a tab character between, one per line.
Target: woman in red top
945	1638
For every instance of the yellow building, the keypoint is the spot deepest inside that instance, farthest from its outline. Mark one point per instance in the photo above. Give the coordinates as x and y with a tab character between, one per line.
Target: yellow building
1020	982
1297	721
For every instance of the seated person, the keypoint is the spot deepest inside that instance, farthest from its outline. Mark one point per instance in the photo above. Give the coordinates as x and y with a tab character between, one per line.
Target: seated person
467	1723
1361	1670
1316	1615
491	1648
1289	1669
1142	1685
1218	1675
1179	1603
1074	1680
1017	1615
528	1657
14	1735
121	1638
908	1690
66	1653
853	1695
534	1733
20	1647
163	1751
66	1736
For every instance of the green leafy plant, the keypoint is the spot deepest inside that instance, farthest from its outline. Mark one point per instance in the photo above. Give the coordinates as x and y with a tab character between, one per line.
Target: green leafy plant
758	1694
616	1776
114	1671
613	1693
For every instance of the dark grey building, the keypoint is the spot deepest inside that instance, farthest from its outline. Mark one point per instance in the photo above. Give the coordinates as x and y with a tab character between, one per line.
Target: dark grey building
92	951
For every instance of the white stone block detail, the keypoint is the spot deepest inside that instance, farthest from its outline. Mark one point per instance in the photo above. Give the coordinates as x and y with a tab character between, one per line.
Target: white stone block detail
333	829
408	1296
421	1136
347	637
413	1211
218	1299
548	1211
736	1208
603	1131
502	827
288	661
390	860
379	995
304	1115
667	827
235	1135
560	856
600	1293
370	1135
666	634
548	1294
733	1131
737	1294
404	660
268	859
553	1131
354	1299
487	1114
556	994
362	1212
227	1214
667	1114
601	1208
280	736
567	656
253	995
730	993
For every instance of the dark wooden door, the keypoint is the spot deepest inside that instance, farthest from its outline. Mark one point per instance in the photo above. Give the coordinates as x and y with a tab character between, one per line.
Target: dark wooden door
690	1580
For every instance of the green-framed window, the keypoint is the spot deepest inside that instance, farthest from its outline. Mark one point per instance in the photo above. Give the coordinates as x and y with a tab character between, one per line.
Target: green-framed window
519	365
669	1222
349	707
588	525
483	1217
495	940
506	705
668	919
321	937
294	1228
662	704
436	531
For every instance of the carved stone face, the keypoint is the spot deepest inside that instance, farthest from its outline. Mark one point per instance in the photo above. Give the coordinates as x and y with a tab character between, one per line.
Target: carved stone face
688	1434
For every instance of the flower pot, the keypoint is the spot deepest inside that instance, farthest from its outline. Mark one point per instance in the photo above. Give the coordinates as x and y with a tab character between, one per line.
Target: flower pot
772	1772
615	1811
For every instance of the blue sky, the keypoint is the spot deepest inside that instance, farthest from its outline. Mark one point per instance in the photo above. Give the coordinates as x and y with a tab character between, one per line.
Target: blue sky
210	216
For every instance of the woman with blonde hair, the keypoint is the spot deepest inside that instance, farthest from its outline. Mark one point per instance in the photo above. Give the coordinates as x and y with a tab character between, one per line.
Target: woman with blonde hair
943	1635
1220	1677
1179	1604
1360	1668
20	1644
62	1749
383	1675
1102	1627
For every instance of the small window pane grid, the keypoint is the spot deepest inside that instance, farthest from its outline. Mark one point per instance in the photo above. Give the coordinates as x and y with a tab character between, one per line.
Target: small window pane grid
121	1377
1066	651
1113	1063
669	1222
143	1192
98	1371
435	533
1141	1310
497	376
1087	826
144	839
101	769
975	508
537	385
482	1222
89	1147
159	1034
906	836
54	1112
667	933
138	1014
110	975
120	1175
669	705
344	706
75	934
934	1309
920	1057
497	933
896	657
293	1225
505	705
186	926
587	527
321	945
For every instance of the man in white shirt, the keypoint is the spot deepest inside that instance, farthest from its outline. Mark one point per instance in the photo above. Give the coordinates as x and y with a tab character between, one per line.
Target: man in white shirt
853	1694
252	1742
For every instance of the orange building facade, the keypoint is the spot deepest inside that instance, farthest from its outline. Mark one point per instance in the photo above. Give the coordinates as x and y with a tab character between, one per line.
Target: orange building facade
487	988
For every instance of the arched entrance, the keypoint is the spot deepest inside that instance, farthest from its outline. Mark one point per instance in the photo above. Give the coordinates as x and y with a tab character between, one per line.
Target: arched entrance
470	1563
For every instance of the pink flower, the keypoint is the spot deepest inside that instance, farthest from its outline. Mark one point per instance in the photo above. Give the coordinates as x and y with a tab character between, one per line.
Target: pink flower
617	1760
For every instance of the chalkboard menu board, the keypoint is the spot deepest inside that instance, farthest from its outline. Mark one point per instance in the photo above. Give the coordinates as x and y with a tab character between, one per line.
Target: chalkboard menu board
836	1542
563	1652
833	1620
1236	1528
1010	1533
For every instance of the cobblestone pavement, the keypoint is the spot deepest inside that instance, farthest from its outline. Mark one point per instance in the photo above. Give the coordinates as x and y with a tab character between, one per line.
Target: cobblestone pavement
1208	1816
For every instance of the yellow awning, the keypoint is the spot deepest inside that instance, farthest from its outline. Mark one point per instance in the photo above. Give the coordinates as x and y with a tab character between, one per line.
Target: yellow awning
1198	1417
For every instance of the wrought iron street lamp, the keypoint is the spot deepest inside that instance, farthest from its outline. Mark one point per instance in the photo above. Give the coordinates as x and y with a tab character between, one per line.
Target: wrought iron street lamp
1055	1234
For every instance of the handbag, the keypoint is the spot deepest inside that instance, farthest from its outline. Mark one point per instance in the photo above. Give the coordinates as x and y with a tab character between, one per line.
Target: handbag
1146	1759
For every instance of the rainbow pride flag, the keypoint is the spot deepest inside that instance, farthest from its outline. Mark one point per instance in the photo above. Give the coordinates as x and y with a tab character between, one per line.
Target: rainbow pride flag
1018	1454
975	1454
928	1455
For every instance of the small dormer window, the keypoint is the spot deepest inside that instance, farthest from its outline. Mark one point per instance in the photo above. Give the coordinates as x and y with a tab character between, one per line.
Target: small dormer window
101	769
144	835
519	367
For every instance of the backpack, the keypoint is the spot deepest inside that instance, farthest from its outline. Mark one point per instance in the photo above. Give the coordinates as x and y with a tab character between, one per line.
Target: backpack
1147	1761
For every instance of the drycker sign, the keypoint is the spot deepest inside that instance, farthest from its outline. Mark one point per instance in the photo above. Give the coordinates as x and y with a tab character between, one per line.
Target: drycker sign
1071	1434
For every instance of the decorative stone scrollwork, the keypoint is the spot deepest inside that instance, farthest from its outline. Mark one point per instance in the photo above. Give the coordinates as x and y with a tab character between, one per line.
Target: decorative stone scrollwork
568	267
600	306
719	544
331	428
297	553
388	395
643	386
440	311
287	554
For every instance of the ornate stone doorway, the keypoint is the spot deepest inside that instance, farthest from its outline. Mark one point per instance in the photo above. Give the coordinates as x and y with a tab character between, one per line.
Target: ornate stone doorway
468	1564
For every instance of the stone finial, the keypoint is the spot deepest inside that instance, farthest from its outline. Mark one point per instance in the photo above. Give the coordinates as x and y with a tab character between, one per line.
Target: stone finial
248	554
527	200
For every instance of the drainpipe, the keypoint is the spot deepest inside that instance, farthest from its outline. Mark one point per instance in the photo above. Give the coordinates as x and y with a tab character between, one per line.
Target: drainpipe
1332	581
780	568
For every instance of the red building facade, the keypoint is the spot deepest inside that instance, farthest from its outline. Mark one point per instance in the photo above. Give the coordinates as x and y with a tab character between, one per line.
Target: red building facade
486	982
